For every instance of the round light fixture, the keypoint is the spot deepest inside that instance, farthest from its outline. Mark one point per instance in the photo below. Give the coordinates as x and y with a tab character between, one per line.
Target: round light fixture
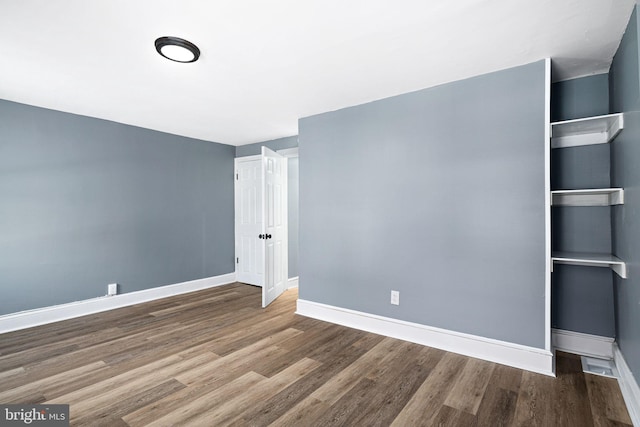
177	49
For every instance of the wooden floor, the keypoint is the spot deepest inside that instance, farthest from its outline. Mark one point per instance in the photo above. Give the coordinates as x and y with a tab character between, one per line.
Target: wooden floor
214	358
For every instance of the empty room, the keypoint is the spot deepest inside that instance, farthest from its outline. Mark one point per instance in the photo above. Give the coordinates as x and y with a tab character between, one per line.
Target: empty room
320	213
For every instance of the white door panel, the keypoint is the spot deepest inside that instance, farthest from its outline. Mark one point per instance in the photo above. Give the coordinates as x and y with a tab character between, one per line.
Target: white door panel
275	225
261	223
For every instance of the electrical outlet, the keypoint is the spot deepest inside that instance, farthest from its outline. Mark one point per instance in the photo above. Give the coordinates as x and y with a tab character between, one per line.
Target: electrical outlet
395	297
112	289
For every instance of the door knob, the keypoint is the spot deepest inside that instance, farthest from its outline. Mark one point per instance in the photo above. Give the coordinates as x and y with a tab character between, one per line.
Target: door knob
267	236
260	236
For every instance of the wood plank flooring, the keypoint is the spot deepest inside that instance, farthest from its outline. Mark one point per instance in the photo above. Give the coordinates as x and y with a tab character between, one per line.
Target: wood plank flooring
215	358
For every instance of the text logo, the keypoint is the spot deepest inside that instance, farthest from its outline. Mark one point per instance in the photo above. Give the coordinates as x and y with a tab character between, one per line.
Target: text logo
34	415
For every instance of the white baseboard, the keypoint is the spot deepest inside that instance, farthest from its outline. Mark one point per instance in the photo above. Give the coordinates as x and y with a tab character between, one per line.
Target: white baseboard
293	282
56	313
582	344
516	355
628	386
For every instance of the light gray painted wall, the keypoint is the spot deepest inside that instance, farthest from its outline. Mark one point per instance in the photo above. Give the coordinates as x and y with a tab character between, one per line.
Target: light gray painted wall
292	182
582	300
624	83
293	194
582	97
581	167
438	194
625	96
87	202
582	296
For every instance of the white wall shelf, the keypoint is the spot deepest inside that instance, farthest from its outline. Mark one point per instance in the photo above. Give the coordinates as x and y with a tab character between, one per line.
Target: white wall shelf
591	260
588	197
587	131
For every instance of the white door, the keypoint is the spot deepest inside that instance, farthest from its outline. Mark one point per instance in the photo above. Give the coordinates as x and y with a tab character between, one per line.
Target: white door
249	213
274	234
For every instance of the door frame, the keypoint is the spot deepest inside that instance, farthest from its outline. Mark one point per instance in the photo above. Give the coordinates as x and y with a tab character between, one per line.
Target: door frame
292	282
236	163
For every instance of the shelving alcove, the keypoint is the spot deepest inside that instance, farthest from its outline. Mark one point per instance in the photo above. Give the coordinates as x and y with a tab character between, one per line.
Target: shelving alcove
579	132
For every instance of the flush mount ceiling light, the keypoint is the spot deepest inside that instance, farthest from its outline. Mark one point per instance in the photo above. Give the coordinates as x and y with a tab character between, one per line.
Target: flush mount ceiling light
177	49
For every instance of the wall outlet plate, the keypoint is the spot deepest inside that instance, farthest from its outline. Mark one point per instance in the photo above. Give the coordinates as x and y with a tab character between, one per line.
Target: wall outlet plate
112	289
395	297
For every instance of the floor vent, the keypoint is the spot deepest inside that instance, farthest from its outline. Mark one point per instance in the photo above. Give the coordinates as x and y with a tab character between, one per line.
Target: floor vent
603	367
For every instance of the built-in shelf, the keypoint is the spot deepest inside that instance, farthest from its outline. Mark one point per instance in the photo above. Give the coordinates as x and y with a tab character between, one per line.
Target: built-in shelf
588	197
587	131
592	260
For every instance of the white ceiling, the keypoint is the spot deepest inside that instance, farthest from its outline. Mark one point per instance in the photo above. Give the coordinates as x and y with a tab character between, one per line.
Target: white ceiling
265	64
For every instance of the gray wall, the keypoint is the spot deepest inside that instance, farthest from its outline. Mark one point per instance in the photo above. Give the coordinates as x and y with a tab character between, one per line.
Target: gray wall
292	182
87	202
624	77
438	194
582	298
293	194
583	97
624	83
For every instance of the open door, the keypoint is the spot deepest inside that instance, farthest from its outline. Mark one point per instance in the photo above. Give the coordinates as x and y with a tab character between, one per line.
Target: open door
274	230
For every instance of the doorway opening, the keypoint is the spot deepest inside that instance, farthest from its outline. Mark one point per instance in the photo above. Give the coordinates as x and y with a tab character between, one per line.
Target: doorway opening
266	221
